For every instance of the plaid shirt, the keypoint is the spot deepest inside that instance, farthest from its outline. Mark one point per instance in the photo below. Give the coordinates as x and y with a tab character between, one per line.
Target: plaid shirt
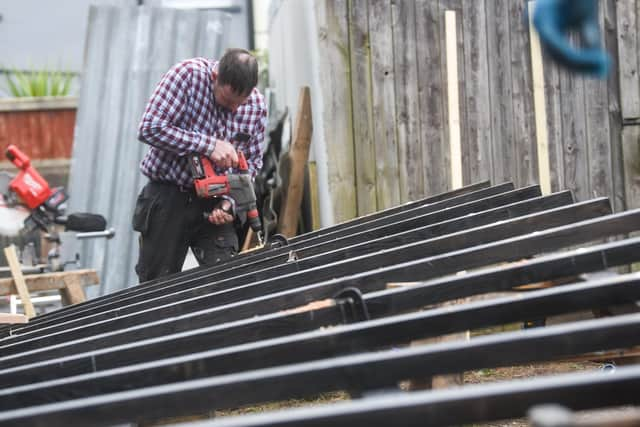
182	117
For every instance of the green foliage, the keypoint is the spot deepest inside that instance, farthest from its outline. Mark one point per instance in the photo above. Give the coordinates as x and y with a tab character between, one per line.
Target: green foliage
38	83
262	55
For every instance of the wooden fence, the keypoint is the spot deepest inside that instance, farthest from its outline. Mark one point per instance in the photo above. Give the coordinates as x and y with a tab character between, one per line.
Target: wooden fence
400	125
41	127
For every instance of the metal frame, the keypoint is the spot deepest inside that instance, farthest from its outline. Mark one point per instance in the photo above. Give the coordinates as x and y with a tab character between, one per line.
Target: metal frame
496	208
370	371
278	256
255	286
380	304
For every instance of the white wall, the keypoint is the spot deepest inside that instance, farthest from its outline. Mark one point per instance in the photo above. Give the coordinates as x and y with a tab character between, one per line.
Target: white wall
36	34
293	59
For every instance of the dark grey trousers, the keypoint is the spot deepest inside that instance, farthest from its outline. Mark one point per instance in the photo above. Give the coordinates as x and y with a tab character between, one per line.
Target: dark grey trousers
170	221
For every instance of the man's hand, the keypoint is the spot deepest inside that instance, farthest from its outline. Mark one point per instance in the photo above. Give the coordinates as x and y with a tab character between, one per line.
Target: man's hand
224	155
221	215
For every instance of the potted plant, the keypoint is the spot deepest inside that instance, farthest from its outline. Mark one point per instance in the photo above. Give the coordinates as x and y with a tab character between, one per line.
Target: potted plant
39	114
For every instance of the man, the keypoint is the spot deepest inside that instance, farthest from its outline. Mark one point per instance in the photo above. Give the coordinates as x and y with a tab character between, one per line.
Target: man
198	107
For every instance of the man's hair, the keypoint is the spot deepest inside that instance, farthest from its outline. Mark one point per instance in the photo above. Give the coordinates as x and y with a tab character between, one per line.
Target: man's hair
239	69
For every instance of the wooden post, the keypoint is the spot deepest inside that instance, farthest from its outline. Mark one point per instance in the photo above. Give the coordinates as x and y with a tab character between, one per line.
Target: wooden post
453	99
298	154
540	106
18	278
73	292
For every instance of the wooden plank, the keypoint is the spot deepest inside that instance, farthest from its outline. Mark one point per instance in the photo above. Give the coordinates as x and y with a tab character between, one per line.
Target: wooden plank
431	93
49	281
383	102
73	292
18	278
574	134
335	83
524	112
313	196
457	7
540	107
500	96
453	99
411	171
615	114
365	155
631	156
44	134
627	34
298	154
599	172
477	142
11	318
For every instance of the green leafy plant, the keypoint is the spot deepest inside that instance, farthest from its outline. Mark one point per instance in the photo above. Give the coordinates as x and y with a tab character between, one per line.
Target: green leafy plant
38	83
262	55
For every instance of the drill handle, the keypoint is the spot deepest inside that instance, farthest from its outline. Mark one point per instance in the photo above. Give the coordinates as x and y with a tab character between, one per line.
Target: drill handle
243	166
17	157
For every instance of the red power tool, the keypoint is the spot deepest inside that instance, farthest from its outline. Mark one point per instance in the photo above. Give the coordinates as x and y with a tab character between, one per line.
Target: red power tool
238	186
29	188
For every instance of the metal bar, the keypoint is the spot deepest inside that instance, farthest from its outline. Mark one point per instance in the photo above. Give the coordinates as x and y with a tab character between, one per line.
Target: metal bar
378	239
357	372
364	336
256	285
280	254
502	251
380	304
471	404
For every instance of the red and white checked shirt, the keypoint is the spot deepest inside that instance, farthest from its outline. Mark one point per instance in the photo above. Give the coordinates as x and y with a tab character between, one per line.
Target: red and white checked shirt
182	117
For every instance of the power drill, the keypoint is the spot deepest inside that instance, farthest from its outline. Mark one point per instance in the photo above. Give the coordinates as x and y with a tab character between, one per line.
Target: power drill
237	186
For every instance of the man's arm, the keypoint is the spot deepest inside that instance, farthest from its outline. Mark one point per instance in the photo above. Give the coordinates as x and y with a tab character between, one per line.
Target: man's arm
165	108
254	148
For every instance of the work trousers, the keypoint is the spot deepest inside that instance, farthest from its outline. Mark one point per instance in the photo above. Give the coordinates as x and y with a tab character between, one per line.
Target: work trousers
170	221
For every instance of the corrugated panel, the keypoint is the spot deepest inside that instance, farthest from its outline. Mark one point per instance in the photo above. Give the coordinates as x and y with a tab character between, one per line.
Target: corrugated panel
128	51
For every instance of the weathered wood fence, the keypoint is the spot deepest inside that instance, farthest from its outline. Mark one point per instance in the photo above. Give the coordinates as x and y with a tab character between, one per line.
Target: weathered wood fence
400	125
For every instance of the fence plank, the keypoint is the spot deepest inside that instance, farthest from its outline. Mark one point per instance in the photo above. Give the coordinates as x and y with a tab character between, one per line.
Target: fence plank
615	115
574	135
498	31
333	40
431	93
598	144
631	153
627	26
524	132
405	42
365	156
477	143
383	102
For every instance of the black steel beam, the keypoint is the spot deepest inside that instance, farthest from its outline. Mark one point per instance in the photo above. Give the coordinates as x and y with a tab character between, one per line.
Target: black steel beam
471	404
364	336
388	237
259	284
276	256
502	251
357	372
379	304
407	206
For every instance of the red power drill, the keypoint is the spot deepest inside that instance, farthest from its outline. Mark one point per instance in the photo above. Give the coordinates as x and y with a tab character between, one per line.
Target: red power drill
46	204
238	186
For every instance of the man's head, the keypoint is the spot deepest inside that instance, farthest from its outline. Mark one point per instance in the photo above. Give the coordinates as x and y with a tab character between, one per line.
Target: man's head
235	78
